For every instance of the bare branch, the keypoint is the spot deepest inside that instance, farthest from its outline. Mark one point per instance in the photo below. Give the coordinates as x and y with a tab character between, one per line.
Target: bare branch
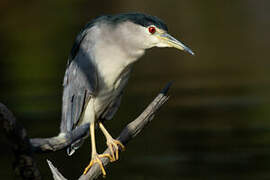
56	174
59	142
128	133
23	148
24	165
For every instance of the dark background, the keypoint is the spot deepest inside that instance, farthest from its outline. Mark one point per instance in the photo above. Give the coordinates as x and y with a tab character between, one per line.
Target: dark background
216	123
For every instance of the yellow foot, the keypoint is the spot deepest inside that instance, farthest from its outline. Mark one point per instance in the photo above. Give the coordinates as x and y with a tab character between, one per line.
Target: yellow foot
96	159
113	146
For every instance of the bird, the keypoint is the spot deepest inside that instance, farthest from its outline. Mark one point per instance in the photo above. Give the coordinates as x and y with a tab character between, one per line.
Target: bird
98	69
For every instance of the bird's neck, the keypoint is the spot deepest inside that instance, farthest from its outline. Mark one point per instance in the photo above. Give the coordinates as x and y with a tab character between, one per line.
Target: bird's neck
112	54
114	62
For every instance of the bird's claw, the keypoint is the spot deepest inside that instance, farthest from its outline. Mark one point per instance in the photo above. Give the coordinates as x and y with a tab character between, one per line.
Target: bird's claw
114	148
96	159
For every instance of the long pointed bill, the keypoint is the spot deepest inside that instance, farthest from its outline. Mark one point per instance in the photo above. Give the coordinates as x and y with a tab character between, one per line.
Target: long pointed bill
172	42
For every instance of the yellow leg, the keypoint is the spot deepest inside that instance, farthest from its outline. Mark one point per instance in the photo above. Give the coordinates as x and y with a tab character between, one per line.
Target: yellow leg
95	156
112	143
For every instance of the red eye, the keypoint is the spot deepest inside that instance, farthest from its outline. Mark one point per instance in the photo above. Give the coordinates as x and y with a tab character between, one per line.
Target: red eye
152	30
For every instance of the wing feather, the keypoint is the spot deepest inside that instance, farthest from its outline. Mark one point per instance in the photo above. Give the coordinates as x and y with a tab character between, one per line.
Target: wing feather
80	83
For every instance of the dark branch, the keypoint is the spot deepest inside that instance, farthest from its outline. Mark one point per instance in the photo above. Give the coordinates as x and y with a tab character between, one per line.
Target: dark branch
128	133
24	164
59	142
23	148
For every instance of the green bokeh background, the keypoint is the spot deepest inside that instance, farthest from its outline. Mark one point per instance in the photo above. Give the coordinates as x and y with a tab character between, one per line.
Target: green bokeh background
216	124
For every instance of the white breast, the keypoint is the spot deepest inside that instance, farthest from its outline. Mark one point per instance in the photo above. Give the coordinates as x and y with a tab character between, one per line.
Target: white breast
110	91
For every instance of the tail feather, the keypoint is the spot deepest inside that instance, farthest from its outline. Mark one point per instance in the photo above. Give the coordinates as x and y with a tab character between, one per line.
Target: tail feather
74	146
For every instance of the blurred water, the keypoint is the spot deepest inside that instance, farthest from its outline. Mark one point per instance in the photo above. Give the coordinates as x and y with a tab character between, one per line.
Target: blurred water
216	123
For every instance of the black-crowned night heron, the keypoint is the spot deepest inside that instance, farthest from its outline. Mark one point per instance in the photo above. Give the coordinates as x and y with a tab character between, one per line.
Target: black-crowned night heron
98	70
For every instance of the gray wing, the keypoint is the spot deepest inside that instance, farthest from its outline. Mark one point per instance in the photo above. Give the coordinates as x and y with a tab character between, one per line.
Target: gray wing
112	108
80	82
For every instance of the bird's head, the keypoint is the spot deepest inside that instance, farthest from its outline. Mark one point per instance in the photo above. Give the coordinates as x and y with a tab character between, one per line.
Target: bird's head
143	31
